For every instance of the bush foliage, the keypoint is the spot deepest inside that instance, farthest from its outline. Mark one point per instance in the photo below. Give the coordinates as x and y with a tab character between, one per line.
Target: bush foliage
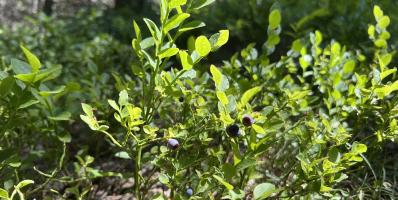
304	117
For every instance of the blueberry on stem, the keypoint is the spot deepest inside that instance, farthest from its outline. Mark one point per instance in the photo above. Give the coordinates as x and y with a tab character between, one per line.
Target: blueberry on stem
233	130
173	144
247	120
189	191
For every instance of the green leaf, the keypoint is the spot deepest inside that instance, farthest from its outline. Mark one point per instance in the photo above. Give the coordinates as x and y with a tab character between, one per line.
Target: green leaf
263	191
28	103
371	31
123	98
113	104
64	137
349	67
175	3
153	29
377	12
380	43
137	31
191	25
164	7
229	171
387	73
186	60
274	19
249	94
123	155
216	74
202	46
32	59
20	67
23	184
223	38
258	129
198	4
318	37
87	109
168	53
64	116
383	22
3	193
48	74
222	97
48	93
225	183
246	163
27	78
175	21
163	178
384	60
6	86
358	148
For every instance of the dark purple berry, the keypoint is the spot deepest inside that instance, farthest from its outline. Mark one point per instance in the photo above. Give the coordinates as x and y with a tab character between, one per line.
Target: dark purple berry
173	144
247	120
189	192
233	130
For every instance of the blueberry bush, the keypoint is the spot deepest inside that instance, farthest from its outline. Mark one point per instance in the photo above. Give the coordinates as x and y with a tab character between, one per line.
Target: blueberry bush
308	118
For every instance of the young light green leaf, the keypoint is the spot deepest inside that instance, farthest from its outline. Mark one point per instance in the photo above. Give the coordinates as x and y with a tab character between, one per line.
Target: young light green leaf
198	4
222	97
24	183
163	178
186	60
113	104
383	22
137	31
249	94
384	60
223	38
3	193
27	78
387	73
274	19
191	25
87	109
377	12
263	191
175	3
258	129
216	74
380	43
349	67
123	155
152	28
123	98
202	46
175	21
358	148
32	59
168	53
225	183
164	5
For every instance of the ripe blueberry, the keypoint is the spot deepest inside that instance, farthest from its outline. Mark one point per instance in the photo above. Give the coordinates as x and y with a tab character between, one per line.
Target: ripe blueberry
247	120
173	144
189	192
233	130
